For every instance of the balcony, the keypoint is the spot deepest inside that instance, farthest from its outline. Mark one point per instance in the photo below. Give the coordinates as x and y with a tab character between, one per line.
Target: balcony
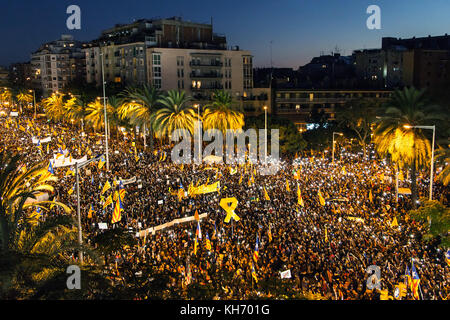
210	87
205	75
204	64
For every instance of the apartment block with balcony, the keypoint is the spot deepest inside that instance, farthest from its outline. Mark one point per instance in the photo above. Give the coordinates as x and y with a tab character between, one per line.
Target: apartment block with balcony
57	63
199	71
297	104
123	63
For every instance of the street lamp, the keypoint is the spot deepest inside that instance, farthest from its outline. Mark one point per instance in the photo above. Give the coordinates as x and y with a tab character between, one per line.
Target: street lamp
104	107
77	167
199	134
334	142
432	152
34	101
265	133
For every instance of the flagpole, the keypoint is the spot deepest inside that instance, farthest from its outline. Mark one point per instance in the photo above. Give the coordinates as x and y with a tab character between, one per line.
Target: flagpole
80	236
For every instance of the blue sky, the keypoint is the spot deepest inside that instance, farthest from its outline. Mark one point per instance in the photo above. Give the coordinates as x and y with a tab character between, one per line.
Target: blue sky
299	29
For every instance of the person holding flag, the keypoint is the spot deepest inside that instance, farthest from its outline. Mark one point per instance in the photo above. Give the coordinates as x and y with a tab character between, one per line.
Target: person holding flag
256	251
117	214
415	281
208	243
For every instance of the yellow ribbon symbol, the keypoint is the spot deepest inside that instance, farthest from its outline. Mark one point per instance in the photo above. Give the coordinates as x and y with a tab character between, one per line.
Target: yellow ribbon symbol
229	205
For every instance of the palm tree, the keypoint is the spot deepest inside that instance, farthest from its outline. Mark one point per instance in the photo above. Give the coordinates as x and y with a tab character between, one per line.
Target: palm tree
443	157
407	147
138	105
175	113
30	249
55	106
221	114
24	97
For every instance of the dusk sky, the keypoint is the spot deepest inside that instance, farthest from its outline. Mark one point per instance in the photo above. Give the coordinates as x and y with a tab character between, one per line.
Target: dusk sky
299	29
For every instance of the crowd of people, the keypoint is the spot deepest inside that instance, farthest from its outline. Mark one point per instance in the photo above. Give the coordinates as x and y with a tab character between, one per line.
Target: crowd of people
327	247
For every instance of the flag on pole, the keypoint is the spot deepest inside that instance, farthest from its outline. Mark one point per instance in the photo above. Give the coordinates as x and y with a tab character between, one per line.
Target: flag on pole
299	197
269	234
106	187
287	186
50	168
208	242
321	199
108	201
196	216
370	196
254	276
117	214
266	195
447	257
415	281
408	277
256	251
394	222
101	162
91	210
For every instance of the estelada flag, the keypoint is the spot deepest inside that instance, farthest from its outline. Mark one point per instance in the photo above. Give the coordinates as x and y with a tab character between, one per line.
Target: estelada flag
117	214
256	251
106	187
208	243
415	281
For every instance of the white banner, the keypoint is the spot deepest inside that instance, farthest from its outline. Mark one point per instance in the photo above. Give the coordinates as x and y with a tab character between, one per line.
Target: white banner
65	161
168	225
285	274
37	140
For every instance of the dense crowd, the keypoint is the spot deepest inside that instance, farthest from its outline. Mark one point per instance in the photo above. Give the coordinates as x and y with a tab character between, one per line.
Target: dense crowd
327	248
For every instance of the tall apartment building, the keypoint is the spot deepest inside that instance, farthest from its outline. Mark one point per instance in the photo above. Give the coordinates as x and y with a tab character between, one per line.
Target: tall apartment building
380	68
170	54
57	63
199	72
420	62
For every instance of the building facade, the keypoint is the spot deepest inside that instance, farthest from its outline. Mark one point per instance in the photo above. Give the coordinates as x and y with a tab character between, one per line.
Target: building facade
57	63
297	104
200	72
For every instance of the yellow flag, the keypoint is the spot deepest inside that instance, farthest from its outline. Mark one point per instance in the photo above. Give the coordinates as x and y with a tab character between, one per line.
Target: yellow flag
196	216
240	179
287	186
394	222
106	187
299	197
266	195
326	235
321	199
370	196
343	170
108	201
400	176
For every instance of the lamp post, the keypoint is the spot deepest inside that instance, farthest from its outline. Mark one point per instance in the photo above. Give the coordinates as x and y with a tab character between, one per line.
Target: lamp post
34	101
199	134
77	167
334	142
265	133
432	152
104	107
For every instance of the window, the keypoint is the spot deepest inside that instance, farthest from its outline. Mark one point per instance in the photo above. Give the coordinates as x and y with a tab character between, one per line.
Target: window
180	61
157	72
157	59
157	83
